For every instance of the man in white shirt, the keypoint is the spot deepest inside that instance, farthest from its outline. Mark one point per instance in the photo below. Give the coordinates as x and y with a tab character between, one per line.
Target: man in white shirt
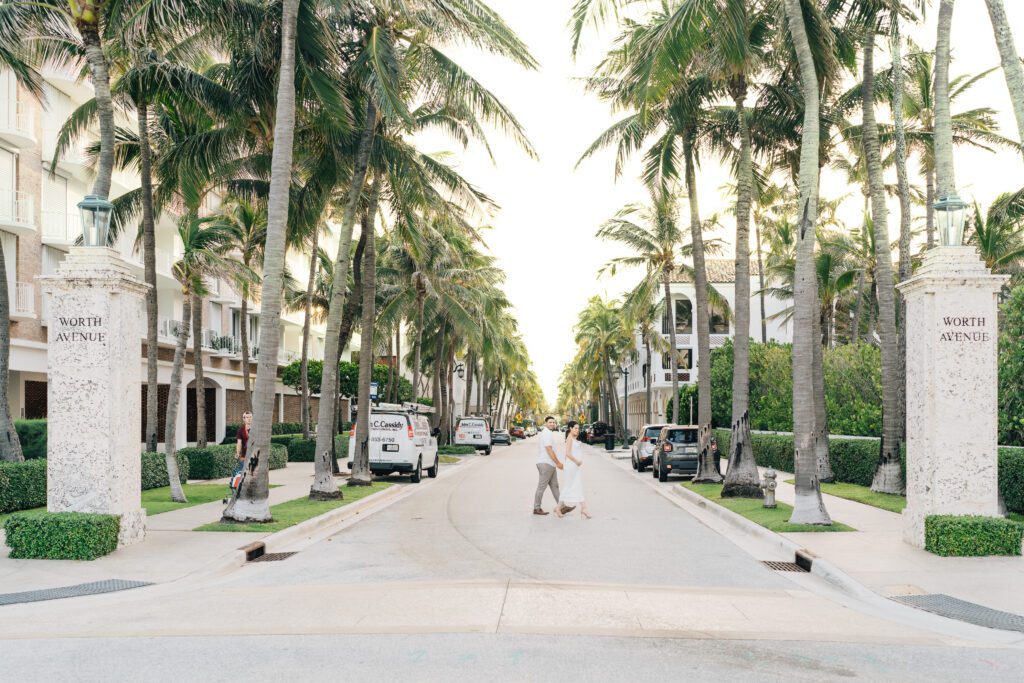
548	465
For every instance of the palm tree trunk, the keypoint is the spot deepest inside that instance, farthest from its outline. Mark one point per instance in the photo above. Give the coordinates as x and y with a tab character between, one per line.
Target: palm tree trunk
808	507
100	73
903	185
1012	68
243	331
673	359
174	398
361	461
355	298
323	482
389	394
929	200
197	364
742	478
418	351
647	381
760	282
858	310
700	284
821	443
944	173
306	324
444	378
398	364
470	369
10	444
888	476
252	504
149	273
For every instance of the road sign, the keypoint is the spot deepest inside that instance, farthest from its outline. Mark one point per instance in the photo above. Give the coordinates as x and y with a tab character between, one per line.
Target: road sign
373	391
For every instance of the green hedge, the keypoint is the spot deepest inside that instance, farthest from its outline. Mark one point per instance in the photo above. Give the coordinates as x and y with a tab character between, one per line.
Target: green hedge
154	469
61	535
1011	477
32	434
304	450
216	462
972	536
277	428
22	485
456	450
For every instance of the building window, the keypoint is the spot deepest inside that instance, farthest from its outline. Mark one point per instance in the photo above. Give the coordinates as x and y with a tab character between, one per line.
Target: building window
684	360
719	322
684	317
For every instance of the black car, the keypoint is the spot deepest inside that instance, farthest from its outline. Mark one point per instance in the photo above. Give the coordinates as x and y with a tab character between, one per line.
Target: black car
676	451
596	433
501	436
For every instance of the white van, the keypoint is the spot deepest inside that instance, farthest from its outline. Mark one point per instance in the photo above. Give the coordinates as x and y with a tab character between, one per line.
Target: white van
475	432
400	441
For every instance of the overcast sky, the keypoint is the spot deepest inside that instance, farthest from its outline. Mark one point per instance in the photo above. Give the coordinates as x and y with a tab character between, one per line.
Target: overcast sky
544	234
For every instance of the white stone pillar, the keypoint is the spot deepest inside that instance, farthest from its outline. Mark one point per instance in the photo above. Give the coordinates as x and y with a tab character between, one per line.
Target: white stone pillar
952	377
94	371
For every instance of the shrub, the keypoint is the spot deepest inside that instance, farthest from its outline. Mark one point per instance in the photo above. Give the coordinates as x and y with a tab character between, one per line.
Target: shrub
304	450
456	450
32	434
972	536
154	469
216	462
61	535
1011	478
1011	369
22	485
284	439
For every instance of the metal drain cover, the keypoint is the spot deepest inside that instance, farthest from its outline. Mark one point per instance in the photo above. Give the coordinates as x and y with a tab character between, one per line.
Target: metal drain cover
954	608
94	588
784	566
272	557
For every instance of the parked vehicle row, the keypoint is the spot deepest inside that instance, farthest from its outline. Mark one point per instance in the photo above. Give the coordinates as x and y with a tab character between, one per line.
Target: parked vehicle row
400	441
596	432
667	449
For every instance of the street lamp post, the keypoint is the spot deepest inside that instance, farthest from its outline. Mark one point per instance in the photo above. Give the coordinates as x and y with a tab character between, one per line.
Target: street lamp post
950	212
96	213
624	372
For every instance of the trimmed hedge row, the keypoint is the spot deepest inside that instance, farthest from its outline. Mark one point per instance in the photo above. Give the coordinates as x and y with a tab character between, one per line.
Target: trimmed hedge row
276	428
32	435
61	535
154	469
304	450
216	462
456	450
854	461
22	485
972	535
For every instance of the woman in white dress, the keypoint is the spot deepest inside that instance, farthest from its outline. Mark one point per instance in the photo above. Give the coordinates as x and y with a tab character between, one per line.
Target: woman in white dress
572	489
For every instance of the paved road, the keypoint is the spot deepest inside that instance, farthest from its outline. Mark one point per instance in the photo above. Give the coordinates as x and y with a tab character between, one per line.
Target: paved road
461	582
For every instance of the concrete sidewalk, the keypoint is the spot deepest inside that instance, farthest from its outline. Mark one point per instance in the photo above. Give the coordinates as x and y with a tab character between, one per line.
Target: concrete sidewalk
877	556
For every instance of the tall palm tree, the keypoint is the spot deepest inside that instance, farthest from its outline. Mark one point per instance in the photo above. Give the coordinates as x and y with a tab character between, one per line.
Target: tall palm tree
999	235
251	503
944	174
361	460
250	223
808	507
1012	68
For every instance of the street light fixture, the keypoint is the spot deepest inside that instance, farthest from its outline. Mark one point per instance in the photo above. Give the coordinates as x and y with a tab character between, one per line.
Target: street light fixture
460	370
624	373
96	213
950	212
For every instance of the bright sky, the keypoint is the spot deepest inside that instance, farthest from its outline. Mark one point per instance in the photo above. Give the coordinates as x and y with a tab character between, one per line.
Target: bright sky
544	234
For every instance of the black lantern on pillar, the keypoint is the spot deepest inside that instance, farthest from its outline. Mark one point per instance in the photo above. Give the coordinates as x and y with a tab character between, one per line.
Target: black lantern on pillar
95	220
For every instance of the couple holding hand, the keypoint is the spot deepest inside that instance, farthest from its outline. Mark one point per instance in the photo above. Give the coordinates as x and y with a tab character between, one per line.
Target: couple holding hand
548	464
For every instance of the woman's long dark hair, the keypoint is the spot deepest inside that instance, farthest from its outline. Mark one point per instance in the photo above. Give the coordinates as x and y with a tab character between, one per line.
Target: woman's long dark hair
568	428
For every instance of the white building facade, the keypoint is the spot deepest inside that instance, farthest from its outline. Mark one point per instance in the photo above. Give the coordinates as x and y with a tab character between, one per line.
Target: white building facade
39	221
721	276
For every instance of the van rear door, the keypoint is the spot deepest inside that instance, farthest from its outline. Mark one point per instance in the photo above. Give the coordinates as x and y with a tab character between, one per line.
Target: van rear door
388	431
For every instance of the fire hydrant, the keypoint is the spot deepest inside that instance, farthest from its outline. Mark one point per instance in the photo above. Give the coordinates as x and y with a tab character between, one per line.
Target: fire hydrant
768	484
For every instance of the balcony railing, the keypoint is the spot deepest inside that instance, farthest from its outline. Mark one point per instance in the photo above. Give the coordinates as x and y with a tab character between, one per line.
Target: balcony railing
24	299
59	226
17	118
16	208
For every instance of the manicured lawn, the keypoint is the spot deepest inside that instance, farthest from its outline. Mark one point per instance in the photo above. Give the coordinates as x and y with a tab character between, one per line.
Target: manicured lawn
863	494
299	510
449	459
159	500
775	519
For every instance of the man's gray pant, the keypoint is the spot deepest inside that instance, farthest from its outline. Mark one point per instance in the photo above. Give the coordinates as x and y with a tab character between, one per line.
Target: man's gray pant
548	477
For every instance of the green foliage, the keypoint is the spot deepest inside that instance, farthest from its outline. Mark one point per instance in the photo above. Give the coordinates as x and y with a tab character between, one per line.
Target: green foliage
284	439
291	375
972	536
425	401
22	485
349	381
154	469
853	389
216	462
32	434
61	535
456	450
304	450
686	392
1011	478
1011	370
776	519
276	429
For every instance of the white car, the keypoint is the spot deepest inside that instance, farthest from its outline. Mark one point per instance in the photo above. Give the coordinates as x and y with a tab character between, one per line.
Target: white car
400	441
475	432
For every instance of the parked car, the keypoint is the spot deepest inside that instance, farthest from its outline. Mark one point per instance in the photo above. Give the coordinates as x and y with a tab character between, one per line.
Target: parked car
518	432
400	441
531	431
475	432
642	450
500	436
675	451
596	432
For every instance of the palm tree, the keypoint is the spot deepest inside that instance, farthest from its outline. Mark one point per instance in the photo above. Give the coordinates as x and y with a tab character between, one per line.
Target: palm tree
944	174
361	459
808	507
10	445
645	316
1012	69
250	223
251	502
999	235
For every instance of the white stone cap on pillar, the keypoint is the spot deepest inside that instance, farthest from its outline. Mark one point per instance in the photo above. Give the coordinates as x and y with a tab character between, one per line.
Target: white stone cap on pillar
944	267
92	264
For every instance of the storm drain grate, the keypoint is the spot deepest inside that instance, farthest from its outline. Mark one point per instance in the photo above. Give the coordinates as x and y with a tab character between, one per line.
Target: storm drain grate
784	566
272	557
94	588
947	606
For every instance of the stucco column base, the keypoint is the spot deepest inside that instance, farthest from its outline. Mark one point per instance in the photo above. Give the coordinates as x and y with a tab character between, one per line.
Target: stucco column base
952	376
94	362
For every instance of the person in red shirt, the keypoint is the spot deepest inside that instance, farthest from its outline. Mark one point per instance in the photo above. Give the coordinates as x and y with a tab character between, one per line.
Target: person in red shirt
241	446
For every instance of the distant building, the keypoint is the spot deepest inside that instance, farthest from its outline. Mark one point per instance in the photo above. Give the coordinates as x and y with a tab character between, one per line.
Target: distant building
721	276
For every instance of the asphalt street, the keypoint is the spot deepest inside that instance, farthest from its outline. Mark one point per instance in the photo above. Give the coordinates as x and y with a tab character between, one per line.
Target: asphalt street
461	582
